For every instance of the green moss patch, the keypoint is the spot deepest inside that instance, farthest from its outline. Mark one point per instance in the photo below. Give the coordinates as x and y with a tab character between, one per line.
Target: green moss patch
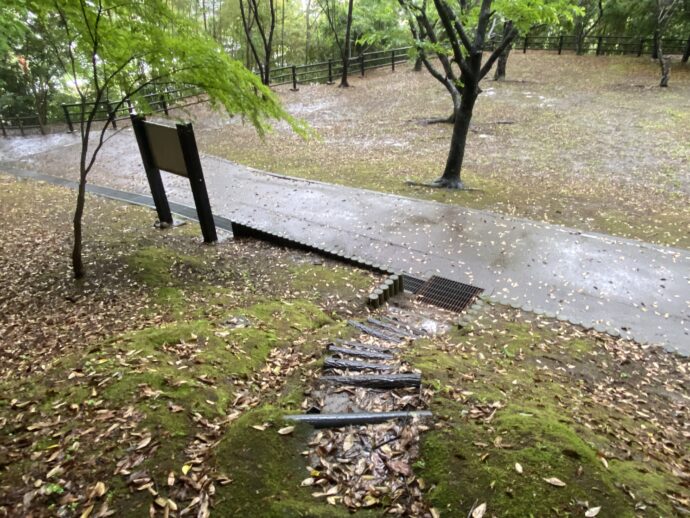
514	388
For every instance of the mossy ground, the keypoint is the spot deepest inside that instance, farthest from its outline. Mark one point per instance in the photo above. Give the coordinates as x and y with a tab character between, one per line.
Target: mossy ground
545	384
166	334
197	325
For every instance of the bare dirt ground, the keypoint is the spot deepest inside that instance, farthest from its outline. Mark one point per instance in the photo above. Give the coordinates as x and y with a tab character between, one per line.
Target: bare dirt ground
589	142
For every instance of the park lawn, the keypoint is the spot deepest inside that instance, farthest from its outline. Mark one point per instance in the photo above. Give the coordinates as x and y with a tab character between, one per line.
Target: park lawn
160	380
583	141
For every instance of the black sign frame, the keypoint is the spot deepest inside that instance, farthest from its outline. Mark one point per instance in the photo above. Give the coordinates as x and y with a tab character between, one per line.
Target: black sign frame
164	136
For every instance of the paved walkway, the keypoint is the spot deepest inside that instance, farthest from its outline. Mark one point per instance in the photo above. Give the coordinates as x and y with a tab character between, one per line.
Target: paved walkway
624	286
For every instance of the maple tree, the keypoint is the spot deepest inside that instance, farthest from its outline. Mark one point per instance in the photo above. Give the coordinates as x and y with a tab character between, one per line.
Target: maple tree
112	51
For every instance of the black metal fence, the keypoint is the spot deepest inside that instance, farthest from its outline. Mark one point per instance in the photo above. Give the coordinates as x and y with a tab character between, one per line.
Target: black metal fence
164	98
21	125
600	45
327	71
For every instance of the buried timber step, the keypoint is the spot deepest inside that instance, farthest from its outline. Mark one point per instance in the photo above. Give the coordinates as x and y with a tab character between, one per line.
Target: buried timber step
377	381
355	419
335	363
365	346
375	332
361	353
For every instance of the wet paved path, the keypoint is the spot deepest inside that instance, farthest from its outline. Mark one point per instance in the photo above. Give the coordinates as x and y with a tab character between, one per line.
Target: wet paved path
624	286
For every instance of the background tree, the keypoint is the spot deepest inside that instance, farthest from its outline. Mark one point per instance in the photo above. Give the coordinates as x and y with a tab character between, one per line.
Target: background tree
502	61
332	9
429	36
461	44
591	16
265	24
664	12
115	48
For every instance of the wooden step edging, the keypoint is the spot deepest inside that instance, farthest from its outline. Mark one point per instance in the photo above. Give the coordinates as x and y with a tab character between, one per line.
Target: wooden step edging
335	363
377	381
355	419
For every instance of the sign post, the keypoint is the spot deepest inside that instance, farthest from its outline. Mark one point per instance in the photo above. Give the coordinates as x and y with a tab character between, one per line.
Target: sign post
173	150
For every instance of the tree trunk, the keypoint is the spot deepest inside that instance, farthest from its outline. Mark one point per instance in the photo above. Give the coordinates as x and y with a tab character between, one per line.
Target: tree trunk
501	63
451	175
346	50
503	58
665	65
77	263
418	65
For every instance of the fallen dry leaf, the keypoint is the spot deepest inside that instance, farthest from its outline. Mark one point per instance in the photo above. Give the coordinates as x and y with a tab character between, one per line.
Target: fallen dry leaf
555	482
479	511
592	512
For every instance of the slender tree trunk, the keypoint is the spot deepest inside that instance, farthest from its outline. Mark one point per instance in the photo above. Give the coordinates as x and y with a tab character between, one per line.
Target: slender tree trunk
307	42
418	65
503	58
77	263
501	63
665	66
461	126
346	49
656	45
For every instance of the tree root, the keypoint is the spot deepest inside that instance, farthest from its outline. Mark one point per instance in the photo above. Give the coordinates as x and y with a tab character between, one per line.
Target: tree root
442	120
443	183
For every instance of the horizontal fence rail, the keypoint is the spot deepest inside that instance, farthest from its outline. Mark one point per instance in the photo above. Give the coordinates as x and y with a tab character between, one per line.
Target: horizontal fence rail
21	124
327	71
164	98
110	112
600	45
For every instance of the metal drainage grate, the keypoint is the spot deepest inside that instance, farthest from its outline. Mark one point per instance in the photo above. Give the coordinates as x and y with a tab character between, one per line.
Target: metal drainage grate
448	294
412	284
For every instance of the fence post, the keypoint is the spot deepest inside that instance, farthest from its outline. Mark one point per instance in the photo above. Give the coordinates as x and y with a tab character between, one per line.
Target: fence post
21	126
560	45
330	71
111	114
294	78
2	125
393	60
639	49
67	119
361	64
655	47
686	54
164	104
599	40
524	48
